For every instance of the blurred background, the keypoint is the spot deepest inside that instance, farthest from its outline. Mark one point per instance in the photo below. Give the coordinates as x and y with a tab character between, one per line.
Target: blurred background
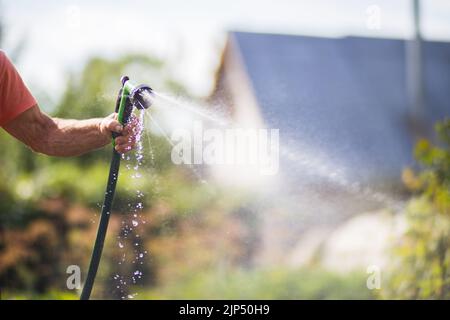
360	208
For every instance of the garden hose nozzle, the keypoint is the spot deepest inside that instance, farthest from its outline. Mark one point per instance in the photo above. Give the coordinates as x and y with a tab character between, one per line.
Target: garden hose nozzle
130	96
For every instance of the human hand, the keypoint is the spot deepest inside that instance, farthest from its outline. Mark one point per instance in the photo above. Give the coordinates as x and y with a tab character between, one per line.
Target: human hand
127	141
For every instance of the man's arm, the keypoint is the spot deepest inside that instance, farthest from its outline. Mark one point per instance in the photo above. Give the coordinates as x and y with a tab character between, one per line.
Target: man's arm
65	138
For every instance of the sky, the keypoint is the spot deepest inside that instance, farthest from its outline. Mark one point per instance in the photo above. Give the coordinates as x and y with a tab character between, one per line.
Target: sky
60	36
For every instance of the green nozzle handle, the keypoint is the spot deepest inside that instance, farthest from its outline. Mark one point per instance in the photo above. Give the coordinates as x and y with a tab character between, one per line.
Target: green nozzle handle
131	96
124	107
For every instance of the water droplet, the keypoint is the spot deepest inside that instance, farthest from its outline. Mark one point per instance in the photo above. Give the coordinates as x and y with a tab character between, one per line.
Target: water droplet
135	223
120	245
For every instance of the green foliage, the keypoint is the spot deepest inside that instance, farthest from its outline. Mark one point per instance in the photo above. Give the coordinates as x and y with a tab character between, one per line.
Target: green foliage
93	92
264	284
52	295
423	255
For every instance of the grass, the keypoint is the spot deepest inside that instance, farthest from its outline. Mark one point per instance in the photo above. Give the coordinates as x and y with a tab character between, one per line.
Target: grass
264	284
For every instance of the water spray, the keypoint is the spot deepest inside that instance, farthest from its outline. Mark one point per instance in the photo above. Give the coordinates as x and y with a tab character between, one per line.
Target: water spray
129	96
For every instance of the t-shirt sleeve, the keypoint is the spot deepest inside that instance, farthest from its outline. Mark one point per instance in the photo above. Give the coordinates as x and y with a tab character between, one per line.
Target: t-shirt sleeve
15	97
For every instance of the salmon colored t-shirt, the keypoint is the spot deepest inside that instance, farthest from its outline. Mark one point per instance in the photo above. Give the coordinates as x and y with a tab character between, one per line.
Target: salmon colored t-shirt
15	97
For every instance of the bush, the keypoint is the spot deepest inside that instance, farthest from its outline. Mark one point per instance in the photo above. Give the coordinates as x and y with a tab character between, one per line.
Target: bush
422	264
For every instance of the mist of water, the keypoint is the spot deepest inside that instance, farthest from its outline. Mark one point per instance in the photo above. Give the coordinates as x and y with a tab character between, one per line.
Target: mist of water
304	160
301	158
212	115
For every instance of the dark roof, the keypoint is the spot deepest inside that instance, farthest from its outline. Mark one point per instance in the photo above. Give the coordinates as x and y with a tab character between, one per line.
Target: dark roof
345	98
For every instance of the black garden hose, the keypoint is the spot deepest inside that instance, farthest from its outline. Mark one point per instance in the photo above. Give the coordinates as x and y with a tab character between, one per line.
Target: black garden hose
129	95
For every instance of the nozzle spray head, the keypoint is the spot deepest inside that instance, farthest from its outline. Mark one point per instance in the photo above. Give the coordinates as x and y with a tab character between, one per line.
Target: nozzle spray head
140	96
131	96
